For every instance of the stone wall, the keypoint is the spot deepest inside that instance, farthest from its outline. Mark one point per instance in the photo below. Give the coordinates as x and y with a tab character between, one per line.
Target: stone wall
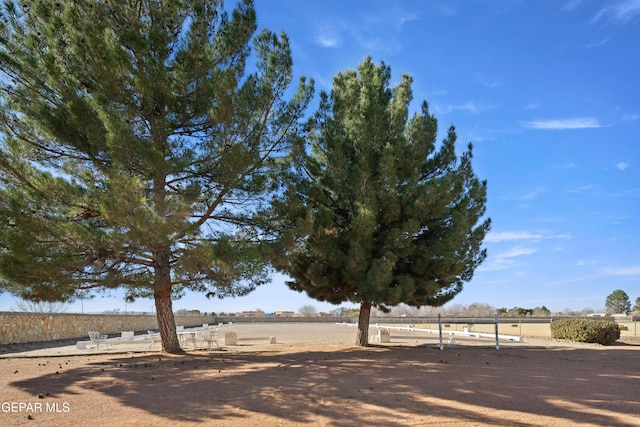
33	327
18	328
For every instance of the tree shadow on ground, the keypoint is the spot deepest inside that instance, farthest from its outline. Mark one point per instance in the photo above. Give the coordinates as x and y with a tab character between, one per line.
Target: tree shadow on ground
377	386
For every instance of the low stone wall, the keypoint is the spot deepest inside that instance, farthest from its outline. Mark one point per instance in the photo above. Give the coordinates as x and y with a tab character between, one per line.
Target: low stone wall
18	328
33	327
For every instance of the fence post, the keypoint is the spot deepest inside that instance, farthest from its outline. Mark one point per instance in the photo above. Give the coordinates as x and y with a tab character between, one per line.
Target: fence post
496	322
520	324
440	329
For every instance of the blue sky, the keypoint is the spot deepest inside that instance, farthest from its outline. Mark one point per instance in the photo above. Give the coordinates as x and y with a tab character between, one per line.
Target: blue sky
548	93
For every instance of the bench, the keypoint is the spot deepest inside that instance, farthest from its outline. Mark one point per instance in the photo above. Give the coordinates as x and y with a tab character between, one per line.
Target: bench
271	340
97	338
231	338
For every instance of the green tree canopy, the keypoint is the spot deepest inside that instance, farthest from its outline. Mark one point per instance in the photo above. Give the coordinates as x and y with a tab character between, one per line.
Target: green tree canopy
636	307
383	214
618	302
136	149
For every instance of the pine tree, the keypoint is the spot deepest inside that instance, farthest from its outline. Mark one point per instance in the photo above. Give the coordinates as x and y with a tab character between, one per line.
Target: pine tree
383	215
618	302
136	152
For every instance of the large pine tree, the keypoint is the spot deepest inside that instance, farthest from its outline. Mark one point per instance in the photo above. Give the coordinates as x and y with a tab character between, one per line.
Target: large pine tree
382	213
135	150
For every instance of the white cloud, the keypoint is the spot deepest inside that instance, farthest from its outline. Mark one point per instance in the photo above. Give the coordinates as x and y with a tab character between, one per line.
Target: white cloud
447	10
573	280
584	262
510	236
525	196
599	43
327	36
629	271
621	11
506	236
565	166
571	5
622	165
622	271
487	82
550	219
561	124
505	260
403	18
588	191
469	106
516	251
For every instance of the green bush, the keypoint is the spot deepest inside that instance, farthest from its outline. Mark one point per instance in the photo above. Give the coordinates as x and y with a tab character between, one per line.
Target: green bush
586	330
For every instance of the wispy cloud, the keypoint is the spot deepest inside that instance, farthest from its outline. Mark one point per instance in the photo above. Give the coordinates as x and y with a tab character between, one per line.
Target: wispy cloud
598	43
561	124
582	192
487	82
508	236
564	166
327	36
377	30
622	165
469	106
506	260
550	219
529	195
621	11
633	270
571	5
447	10
630	117
517	251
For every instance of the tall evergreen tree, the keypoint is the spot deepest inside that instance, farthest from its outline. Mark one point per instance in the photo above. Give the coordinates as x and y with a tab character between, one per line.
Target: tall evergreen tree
135	152
618	302
383	215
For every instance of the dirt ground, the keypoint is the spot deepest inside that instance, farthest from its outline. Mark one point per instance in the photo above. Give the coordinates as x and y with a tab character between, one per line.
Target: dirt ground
324	381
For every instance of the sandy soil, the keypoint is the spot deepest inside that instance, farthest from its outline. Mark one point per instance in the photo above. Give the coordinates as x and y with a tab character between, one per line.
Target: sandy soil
320	380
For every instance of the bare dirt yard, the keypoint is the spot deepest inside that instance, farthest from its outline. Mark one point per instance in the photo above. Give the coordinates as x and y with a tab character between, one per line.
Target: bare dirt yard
324	381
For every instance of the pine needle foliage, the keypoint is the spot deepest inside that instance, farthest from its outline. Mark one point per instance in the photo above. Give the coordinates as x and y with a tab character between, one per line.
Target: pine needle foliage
383	214
138	141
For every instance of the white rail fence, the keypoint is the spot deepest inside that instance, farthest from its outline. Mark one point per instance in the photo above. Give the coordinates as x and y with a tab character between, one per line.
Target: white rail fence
384	336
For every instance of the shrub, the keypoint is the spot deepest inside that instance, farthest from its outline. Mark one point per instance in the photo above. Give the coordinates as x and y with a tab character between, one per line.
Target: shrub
586	330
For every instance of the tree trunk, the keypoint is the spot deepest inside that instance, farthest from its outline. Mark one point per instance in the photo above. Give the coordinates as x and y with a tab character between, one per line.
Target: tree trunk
362	337
166	321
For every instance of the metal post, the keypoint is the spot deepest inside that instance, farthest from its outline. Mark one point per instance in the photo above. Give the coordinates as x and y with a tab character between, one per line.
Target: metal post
497	341
440	329
520	324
